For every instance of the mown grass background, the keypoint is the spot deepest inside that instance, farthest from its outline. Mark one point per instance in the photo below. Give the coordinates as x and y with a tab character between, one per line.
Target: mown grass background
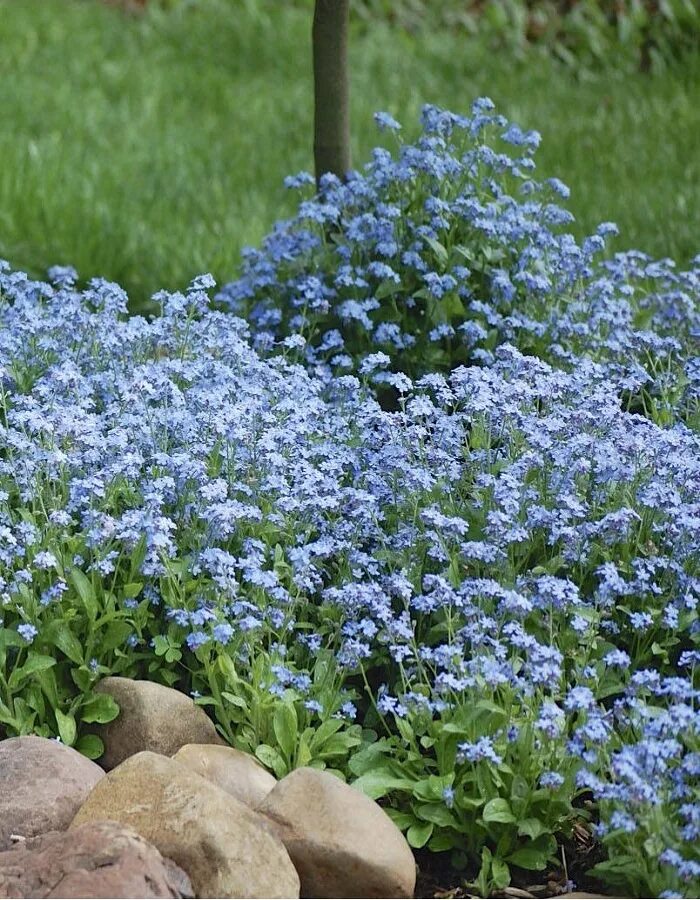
147	149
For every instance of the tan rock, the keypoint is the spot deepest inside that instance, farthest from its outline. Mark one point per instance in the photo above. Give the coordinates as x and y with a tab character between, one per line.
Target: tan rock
238	773
226	849
151	717
100	859
42	786
342	843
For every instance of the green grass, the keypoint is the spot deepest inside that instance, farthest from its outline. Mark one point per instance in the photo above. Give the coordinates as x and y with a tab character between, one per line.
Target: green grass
150	149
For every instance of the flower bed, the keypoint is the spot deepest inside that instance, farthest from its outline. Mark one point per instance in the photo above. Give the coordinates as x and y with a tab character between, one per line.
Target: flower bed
433	525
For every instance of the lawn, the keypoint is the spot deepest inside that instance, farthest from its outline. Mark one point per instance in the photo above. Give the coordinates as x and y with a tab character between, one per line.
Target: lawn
148	149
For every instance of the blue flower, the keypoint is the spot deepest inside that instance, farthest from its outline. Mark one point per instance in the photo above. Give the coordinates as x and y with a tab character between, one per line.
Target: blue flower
27	631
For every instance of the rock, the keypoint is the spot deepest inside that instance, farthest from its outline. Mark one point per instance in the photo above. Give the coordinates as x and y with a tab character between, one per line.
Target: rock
238	773
342	843
151	717
227	849
101	859
42	786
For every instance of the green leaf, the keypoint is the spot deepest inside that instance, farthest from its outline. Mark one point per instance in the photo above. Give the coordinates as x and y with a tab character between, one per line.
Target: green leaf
380	782
90	745
10	638
451	306
285	725
206	700
529	858
46	679
500	874
129	591
304	755
532	828
483	882
115	635
35	663
402	820
368	759
59	634
138	555
419	835
439	252
83	679
227	668
161	644
24	716
339	744
498	810
234	700
387	288
100	708
432	787
442	841
86	592
35	698
270	758
437	813
66	727
324	731
520	789
621	872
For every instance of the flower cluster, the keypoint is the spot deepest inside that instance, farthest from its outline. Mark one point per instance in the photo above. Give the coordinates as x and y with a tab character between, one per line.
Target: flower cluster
432	258
429	517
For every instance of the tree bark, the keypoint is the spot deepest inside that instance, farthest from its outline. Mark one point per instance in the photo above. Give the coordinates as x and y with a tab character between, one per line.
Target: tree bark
331	88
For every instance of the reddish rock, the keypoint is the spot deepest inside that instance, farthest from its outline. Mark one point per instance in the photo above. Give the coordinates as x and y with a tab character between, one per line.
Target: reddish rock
42	786
101	859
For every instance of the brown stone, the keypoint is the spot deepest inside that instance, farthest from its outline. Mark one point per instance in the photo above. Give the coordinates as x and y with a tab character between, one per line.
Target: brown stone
42	785
342	843
238	773
151	717
100	859
226	848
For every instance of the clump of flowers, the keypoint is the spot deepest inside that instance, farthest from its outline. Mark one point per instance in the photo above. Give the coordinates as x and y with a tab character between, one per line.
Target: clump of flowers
478	601
431	258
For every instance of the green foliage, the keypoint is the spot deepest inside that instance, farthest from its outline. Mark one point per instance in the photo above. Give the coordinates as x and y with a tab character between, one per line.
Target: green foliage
445	806
580	33
279	728
161	150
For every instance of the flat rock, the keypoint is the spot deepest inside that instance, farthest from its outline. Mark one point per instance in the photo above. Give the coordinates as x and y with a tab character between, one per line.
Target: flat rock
238	773
100	859
226	848
42	785
151	717
342	843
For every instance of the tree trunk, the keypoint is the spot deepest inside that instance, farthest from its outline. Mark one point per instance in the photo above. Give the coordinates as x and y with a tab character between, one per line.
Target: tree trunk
331	88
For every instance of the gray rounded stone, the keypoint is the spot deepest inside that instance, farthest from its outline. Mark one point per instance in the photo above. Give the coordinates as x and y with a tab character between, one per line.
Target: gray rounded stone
227	849
238	773
342	843
151	717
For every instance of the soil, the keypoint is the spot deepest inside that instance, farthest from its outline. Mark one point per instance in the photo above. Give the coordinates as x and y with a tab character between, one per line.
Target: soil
437	878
